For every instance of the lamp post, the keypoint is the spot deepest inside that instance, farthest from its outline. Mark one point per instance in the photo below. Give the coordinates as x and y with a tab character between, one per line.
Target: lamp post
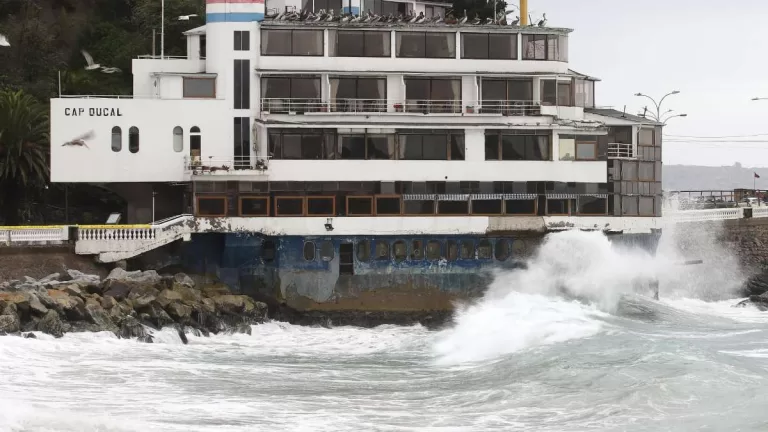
658	116
162	29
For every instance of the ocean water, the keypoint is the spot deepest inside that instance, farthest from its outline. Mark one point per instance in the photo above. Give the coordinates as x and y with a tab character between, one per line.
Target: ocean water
570	344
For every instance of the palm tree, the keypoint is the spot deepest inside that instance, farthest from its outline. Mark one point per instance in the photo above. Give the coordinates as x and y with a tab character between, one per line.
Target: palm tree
24	149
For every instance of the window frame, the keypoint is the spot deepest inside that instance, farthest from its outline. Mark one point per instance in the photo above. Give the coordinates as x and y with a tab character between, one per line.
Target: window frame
242	40
198	198
134	147
561	46
254	197
398	44
319	197
191	78
292	53
360	197
525	133
117	131
388	47
309	246
277	199
512	36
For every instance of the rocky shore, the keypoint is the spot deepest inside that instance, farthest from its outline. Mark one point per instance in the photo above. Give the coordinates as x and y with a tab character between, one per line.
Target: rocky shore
124	303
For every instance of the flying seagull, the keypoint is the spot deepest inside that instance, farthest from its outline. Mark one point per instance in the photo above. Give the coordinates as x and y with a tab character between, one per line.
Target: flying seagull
89	60
4	40
110	70
80	141
187	17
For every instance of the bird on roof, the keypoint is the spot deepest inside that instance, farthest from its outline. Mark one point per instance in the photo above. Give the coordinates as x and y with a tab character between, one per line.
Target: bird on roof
516	21
330	16
543	21
80	141
4	41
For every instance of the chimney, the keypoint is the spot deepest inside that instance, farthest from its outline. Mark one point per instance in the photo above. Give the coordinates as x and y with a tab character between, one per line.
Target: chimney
523	12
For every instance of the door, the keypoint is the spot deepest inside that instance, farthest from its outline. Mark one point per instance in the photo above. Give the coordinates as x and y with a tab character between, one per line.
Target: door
346	263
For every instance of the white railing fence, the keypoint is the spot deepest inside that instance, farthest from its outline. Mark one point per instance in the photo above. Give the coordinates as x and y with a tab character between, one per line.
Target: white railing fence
620	151
32	235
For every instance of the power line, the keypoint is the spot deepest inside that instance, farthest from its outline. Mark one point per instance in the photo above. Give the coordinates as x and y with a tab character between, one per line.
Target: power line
714	141
715	137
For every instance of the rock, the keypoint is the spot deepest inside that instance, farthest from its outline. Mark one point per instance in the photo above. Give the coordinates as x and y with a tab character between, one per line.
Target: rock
118	273
131	328
19	299
181	312
758	301
117	289
46	299
241	329
182	336
97	315
208	306
50	278
142	295
30	280
108	302
216	290
82	277
190	295
36	307
183	279
9	324
155	315
240	305
72	290
51	324
65	277
29	336
71	306
167	296
149	277
121	264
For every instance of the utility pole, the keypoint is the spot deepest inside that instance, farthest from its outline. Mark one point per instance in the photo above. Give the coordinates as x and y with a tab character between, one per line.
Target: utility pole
162	29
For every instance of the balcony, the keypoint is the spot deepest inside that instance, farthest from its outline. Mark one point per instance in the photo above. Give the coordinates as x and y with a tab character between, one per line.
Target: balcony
510	107
620	151
413	106
212	165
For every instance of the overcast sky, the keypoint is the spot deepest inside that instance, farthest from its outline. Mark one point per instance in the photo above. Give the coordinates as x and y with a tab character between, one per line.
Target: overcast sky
714	52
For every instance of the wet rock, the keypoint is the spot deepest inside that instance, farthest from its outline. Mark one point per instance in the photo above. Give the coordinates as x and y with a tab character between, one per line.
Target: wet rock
78	276
108	302
119	273
9	323
182	336
216	290
20	300
180	312
130	327
191	296
758	301
167	296
50	278
29	336
117	289
183	279
51	324
36	307
71	306
155	315
241	305
239	329
98	316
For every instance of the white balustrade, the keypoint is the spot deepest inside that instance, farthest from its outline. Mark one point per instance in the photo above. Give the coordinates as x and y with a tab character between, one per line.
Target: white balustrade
705	215
31	235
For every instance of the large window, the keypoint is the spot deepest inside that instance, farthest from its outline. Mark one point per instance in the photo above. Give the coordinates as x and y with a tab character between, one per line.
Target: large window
431	145
520	145
358	94
545	47
194	87
509	97
291	94
242	84
301	144
426	45
433	95
242	142
242	40
584	93
366	146
579	147
291	42
347	43
489	46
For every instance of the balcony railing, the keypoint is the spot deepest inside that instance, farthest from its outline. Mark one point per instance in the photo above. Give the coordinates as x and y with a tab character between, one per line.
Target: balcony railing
223	165
620	151
358	105
510	107
431	106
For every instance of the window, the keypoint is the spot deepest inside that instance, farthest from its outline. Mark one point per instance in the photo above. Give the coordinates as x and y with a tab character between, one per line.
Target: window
508	97
567	147
584	93
583	147
326	251
564	93
254	206
360	44
418	207
557	206
545	47
242	40
549	92
502	250
292	42
400	251
363	251
289	206
358	94
317	5
291	94
242	142
359	206
242	84
487	207
592	205
200	88
645	206
467	249
194	142
309	251
426	45
522	145
433	250
645	137
484	250
388	206
301	144
213	206
431	145
489	46
117	139
453	208
178	139
382	250
133	139
645	171
321	206
417	250
629	206
451	250
526	207
433	95
586	150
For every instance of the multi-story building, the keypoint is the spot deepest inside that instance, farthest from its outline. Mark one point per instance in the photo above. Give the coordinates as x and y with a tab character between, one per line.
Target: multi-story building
365	154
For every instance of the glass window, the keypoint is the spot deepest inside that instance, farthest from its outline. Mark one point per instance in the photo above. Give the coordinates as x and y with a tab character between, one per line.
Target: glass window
309	251
417	250
178	139
320	206
521	147
289	206
254	206
549	92
352	146
567	148
557	206
441	45
326	251
194	87
645	137
534	47
592	205
268	251
457	146
564	93
292	42
411	44
433	250
211	206
586	150
467	249
502	250
382	250
242	40
451	250
502	46
484	250
380	146
133	139
242	81
387	206
117	139
242	141
363	250
474	46
374	44
400	250
492	146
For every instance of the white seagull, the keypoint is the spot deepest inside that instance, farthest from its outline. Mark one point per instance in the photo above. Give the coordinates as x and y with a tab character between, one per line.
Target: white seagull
80	141
187	17
4	40
89	60
110	70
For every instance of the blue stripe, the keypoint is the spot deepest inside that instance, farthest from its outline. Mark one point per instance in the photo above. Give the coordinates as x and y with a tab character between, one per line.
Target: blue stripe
355	10
234	17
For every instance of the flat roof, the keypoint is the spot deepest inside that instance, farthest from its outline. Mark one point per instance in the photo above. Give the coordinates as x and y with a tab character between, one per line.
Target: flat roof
401	25
620	115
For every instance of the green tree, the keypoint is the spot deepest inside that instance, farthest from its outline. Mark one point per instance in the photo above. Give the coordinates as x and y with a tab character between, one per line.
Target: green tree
24	149
477	8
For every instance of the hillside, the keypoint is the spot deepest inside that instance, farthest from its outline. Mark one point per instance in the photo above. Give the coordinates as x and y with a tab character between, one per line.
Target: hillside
692	177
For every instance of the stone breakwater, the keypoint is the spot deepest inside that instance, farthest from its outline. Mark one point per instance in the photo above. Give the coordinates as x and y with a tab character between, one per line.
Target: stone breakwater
124	303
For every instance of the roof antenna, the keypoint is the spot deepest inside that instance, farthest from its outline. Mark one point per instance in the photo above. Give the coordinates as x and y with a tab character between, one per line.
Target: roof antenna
624	113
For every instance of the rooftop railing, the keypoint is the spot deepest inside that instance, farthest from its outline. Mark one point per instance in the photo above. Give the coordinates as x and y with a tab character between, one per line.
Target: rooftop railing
620	151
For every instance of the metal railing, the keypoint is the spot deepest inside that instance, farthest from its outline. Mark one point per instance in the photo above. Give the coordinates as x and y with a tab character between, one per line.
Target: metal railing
222	165
316	105
620	151
358	105
430	106
158	57
507	107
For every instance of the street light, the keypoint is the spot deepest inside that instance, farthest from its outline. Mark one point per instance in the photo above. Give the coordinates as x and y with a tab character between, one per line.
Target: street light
658	116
